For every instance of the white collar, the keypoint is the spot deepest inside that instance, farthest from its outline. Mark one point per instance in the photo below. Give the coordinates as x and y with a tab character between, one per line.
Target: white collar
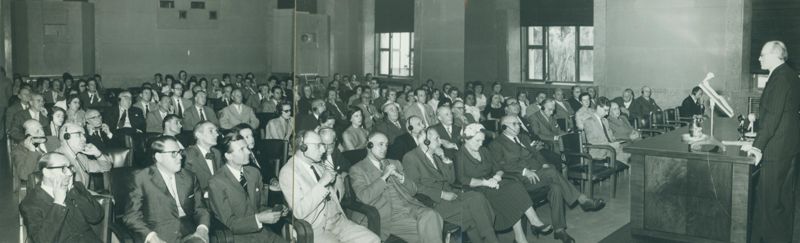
203	152
235	172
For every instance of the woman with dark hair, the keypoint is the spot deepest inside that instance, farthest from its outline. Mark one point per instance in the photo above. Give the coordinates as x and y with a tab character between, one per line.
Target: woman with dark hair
281	127
435	98
356	96
81	87
495	110
508	197
74	112
57	119
355	136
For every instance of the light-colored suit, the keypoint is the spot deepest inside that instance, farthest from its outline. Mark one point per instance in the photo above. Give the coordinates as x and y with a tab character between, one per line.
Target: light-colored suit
596	133
191	116
427	116
154	121
230	116
84	165
151	106
279	128
319	206
401	214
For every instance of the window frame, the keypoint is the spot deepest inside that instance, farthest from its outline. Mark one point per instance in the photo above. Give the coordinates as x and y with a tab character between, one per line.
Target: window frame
389	50
527	46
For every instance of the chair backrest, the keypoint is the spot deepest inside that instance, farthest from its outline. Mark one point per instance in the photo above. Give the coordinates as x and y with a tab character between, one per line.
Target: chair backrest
657	118
119	179
572	143
354	156
671	114
274	151
491	125
264	118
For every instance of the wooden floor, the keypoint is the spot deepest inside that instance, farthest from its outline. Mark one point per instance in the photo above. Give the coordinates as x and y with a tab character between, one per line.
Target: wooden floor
584	227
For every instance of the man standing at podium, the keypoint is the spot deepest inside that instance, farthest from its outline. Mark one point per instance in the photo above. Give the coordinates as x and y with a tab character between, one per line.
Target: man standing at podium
775	147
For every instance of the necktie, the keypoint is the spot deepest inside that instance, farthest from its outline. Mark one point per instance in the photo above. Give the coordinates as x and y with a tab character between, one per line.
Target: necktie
396	123
180	107
210	162
604	130
122	118
516	140
316	175
209	156
146	108
286	129
243	182
449	133
202	114
91	98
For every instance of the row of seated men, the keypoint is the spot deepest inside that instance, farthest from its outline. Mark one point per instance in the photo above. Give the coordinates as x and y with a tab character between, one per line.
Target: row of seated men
171	200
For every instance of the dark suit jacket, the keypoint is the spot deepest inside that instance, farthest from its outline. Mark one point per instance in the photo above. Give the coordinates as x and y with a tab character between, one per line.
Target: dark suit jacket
24	161
48	97
235	208
220	104
563	112
574	104
779	124
17	132
402	144
99	100
339	114
389	129
152	208
641	107
10	113
453	137
430	181
49	222
196	163
306	122
101	140
191	117
135	115
690	108
513	157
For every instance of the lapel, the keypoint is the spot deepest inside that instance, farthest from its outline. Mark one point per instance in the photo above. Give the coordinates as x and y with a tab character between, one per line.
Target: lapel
201	161
233	181
428	163
160	184
183	186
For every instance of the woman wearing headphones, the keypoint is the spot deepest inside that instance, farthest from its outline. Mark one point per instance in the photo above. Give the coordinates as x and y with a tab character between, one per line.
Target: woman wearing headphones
355	137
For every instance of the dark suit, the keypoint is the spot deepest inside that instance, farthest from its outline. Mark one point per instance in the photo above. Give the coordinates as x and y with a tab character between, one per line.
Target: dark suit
470	209
389	129
12	111
49	222
100	139
689	107
546	129
306	122
402	144
512	158
642	107
236	208
152	208
401	214
221	103
88	102
17	132
24	161
135	115
50	99
778	138
196	163
454	136
574	103
340	114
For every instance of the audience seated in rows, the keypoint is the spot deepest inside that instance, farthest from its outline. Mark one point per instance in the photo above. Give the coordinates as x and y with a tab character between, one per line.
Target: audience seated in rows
597	131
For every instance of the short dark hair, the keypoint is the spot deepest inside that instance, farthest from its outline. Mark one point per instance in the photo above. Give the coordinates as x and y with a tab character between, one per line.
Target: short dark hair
696	89
169	118
580	97
601	102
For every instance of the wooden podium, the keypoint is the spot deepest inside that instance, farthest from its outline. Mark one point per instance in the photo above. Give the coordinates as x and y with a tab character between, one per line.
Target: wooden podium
691	196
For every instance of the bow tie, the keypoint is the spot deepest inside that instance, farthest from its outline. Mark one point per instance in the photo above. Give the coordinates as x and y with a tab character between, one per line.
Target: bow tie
209	156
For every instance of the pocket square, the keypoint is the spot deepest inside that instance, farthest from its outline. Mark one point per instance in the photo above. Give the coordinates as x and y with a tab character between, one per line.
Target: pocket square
191	196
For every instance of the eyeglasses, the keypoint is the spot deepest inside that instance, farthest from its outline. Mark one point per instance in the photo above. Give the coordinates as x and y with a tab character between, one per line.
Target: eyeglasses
174	153
63	168
93	117
287	111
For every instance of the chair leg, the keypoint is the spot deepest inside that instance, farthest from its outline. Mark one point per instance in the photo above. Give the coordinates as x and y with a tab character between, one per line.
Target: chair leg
614	186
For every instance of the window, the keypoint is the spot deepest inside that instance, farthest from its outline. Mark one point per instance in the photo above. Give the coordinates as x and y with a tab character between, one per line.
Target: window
559	53
167	4
182	14
395	54
212	15
198	5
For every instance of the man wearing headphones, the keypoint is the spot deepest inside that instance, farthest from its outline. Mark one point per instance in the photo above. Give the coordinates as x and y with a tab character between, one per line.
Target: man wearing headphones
382	184
434	174
60	210
307	186
25	154
85	157
411	139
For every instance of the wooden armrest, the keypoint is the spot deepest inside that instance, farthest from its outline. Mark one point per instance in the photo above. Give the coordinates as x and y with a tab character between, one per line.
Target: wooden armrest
584	155
305	234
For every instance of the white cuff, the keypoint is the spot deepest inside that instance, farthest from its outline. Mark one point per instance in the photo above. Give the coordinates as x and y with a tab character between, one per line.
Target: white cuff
150	236
258	222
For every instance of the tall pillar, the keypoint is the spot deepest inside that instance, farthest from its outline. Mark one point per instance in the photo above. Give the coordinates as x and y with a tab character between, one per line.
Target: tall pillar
439	41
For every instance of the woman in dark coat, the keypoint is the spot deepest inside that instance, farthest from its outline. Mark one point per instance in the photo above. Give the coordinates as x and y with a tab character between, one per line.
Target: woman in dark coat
508	197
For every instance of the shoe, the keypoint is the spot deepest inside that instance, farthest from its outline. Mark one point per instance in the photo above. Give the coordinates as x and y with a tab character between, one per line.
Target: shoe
563	236
542	229
593	205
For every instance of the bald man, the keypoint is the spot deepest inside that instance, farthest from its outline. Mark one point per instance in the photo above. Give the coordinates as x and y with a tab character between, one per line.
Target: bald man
25	155
202	158
381	183
775	147
85	157
644	104
306	185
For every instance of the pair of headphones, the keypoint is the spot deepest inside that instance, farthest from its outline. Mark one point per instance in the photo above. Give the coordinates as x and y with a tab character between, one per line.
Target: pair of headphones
67	135
427	141
370	145
408	124
301	143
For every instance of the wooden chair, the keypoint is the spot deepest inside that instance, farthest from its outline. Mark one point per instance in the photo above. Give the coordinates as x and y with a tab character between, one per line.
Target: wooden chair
585	169
673	116
657	120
